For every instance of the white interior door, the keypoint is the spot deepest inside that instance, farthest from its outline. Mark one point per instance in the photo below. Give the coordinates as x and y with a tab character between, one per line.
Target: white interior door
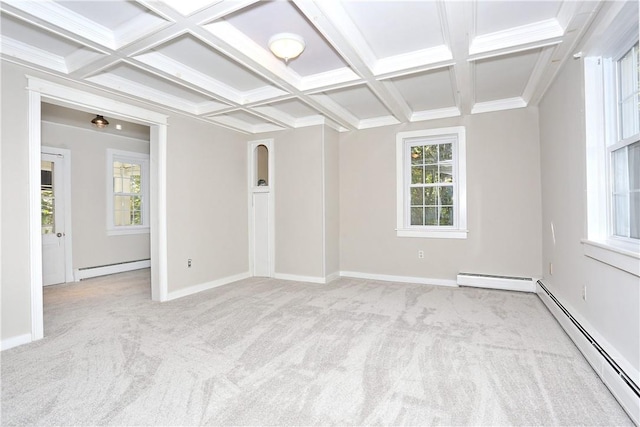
52	213
261	261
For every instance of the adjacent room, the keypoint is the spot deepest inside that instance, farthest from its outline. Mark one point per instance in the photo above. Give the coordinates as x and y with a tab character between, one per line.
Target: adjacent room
316	212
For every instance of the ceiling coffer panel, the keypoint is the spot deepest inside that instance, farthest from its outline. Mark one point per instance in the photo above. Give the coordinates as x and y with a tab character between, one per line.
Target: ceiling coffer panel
197	55
124	20
505	76
263	20
365	63
430	90
397	27
360	102
494	16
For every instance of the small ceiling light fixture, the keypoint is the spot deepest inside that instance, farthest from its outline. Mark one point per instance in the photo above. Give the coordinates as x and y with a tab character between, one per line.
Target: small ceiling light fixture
286	46
100	122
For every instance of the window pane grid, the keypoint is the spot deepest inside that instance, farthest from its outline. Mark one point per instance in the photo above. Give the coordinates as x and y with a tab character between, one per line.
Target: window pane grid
629	94
127	196
431	186
626	191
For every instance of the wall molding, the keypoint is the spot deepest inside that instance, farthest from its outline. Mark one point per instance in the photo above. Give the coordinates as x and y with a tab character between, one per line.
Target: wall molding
298	278
86	273
400	279
190	290
614	371
8	343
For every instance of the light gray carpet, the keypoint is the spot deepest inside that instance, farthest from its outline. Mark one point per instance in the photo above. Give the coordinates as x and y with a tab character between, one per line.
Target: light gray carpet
270	352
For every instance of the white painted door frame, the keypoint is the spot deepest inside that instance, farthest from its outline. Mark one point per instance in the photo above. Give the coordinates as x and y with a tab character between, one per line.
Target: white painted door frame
44	90
270	190
66	197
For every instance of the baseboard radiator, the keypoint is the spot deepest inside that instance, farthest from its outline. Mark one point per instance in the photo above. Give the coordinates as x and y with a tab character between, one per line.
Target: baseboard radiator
509	283
622	386
103	270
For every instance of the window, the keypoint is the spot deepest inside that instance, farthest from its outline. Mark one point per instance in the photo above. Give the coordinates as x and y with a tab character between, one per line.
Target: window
612	122
431	183
127	192
625	151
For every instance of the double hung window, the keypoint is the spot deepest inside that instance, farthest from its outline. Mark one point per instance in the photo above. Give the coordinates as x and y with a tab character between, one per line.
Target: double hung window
612	121
127	192
431	183
624	151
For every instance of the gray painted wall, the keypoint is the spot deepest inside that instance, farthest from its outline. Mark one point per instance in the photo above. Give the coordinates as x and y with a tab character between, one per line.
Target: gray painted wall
503	187
206	203
299	204
612	307
92	246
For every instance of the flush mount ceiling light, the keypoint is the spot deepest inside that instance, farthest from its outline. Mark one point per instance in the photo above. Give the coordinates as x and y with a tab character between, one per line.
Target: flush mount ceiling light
100	122
286	46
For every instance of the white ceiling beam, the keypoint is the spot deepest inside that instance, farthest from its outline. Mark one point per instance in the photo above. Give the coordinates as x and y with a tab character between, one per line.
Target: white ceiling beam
236	46
457	24
524	34
325	16
576	27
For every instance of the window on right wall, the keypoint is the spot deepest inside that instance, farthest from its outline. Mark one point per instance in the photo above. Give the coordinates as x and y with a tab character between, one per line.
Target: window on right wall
624	152
612	131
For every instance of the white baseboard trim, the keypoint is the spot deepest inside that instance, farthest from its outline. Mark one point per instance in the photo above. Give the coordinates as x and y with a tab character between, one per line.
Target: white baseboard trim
206	286
297	278
8	343
620	389
401	279
495	282
86	273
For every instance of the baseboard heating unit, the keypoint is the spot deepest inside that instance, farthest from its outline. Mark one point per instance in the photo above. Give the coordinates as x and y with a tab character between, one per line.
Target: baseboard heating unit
103	270
509	283
619	382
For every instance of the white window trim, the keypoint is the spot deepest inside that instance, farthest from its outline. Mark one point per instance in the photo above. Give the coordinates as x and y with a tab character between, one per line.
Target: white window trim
612	38
458	231
129	157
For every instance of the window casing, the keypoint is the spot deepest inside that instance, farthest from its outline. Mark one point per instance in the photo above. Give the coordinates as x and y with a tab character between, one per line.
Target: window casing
611	122
431	183
127	192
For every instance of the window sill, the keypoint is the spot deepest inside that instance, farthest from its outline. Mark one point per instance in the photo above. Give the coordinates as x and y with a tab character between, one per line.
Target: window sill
127	230
622	255
260	189
433	234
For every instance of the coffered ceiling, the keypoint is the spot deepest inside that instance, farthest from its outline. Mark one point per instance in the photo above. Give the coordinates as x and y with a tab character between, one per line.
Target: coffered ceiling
366	63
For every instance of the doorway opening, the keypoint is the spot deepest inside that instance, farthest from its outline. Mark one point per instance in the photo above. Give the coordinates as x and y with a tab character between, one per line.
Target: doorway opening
45	91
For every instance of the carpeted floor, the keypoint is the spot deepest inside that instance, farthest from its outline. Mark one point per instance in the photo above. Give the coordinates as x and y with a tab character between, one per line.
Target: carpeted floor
271	352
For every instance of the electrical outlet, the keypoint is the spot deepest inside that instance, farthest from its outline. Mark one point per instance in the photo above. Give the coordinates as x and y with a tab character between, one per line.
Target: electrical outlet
189	263
420	254
584	293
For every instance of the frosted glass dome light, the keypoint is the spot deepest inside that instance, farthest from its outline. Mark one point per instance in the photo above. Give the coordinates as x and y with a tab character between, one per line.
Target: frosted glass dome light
286	45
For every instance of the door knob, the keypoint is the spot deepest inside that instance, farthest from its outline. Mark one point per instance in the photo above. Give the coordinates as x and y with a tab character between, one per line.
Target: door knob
59	234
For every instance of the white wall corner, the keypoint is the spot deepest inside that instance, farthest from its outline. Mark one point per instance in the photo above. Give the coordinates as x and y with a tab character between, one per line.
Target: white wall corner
331	277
